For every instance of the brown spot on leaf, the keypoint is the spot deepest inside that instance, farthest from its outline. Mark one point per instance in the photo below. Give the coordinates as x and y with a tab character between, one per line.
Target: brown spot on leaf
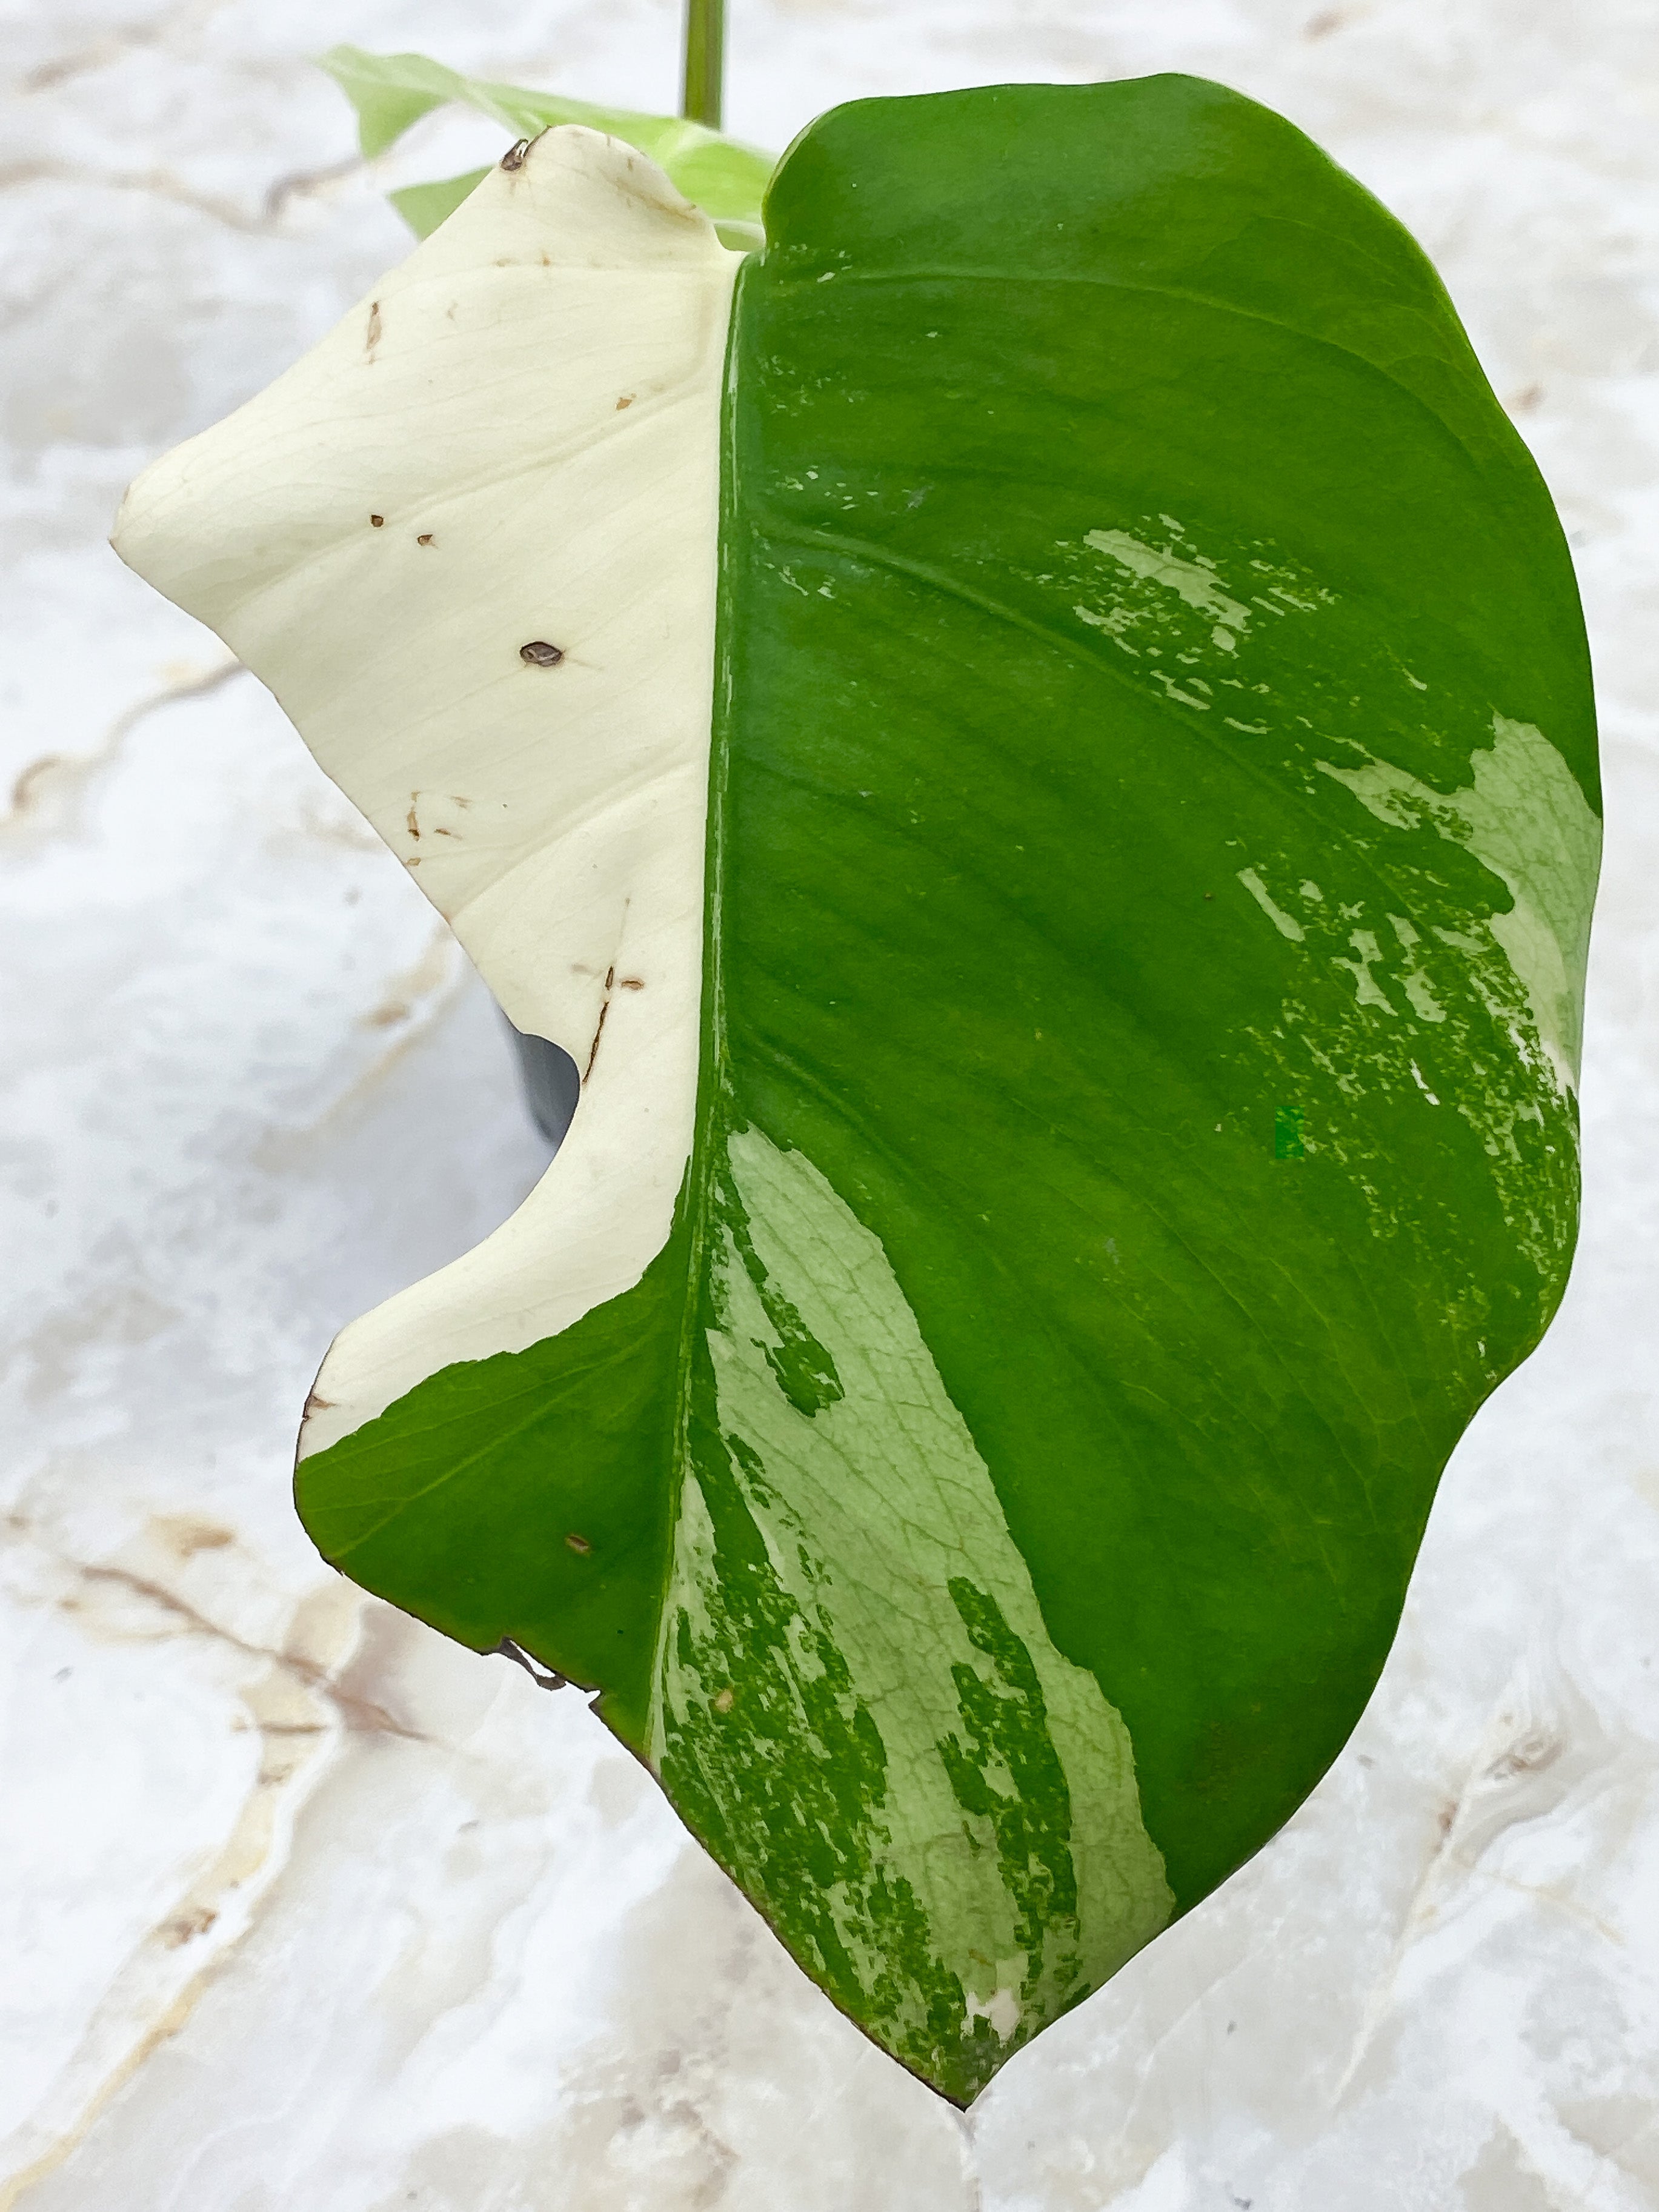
579	1543
631	983
379	521
413	824
513	157
425	539
627	400
540	655
373	325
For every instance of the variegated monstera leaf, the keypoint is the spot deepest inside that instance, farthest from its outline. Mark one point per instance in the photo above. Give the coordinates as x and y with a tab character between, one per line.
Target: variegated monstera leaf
1033	739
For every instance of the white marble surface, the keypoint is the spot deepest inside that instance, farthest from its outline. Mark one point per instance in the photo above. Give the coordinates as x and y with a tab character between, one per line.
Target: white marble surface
303	1908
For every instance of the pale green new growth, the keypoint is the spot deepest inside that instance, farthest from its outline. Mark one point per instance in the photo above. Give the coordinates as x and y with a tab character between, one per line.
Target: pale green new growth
722	176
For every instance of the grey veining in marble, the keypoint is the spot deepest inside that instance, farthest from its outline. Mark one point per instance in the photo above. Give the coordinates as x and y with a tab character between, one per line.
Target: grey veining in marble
302	1907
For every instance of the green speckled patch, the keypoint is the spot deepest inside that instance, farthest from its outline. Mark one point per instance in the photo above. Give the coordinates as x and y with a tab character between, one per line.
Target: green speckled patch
858	1706
1523	817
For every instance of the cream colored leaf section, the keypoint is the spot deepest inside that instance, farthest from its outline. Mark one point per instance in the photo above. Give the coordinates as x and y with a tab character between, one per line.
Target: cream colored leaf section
513	442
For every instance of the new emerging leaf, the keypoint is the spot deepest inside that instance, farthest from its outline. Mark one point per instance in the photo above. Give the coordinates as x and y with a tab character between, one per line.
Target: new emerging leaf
392	92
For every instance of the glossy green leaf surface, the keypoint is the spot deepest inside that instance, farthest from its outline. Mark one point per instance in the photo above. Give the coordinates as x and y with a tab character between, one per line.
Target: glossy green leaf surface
1152	831
392	92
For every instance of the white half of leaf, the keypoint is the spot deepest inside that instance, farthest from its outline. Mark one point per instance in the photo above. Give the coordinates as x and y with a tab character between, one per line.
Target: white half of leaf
530	404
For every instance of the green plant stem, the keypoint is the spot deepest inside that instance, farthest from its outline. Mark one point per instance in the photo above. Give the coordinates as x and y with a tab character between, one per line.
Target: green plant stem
705	42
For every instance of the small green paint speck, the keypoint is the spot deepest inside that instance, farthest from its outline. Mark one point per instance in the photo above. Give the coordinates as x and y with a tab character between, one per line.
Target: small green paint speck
1287	1133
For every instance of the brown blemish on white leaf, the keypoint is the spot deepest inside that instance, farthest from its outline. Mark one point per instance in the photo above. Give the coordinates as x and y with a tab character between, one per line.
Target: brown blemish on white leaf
593	1050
